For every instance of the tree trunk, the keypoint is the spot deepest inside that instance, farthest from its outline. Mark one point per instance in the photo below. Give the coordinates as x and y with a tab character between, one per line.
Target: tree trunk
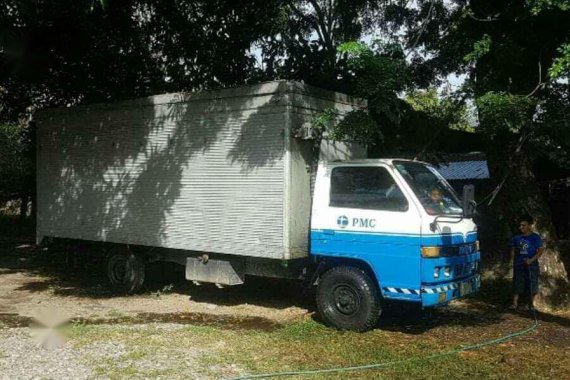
521	195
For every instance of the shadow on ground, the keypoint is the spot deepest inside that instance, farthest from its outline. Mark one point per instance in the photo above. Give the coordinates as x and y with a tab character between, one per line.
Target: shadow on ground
84	278
69	277
222	321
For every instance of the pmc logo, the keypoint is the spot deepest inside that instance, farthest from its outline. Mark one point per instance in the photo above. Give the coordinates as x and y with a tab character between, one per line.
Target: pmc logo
342	221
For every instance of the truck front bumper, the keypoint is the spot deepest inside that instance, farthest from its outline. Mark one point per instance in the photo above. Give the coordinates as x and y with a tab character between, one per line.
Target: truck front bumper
441	294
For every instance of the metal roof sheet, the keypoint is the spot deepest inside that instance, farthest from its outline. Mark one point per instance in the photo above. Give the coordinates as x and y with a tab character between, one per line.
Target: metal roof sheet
461	170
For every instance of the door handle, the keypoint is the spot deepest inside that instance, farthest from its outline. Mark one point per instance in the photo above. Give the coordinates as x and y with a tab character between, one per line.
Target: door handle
328	232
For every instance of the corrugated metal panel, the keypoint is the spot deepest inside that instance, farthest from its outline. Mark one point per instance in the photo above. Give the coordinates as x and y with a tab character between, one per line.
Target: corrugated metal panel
204	172
463	170
201	175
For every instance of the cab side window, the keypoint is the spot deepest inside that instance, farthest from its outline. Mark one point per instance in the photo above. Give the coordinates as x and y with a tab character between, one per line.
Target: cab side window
371	188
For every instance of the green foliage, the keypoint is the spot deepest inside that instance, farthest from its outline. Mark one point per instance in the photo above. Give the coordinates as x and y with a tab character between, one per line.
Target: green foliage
325	121
552	125
501	112
514	55
72	51
359	127
480	48
303	44
381	74
536	6
15	162
82	51
561	66
356	126
499	45
380	69
441	110
354	50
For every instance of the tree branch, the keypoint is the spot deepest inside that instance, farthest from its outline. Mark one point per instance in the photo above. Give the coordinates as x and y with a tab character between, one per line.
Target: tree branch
488	19
423	28
331	18
540	83
323	24
459	104
307	19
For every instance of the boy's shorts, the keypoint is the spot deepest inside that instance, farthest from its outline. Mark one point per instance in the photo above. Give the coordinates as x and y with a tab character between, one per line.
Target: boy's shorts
525	279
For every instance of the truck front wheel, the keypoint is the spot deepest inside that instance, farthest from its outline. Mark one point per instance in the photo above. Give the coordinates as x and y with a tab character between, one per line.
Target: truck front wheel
348	299
125	270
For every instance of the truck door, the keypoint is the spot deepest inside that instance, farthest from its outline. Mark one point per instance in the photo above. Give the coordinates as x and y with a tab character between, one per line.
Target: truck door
363	213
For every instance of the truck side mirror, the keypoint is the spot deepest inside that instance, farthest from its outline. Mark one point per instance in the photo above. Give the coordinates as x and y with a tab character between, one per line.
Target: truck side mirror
469	205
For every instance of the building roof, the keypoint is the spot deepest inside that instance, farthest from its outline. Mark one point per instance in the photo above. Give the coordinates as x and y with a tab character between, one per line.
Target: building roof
464	170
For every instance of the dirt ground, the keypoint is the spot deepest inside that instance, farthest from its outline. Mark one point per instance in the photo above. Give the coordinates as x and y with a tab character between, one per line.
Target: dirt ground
33	279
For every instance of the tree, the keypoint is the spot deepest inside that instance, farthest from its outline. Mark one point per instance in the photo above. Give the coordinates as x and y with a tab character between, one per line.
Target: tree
16	167
442	108
514	54
306	37
69	52
72	51
420	124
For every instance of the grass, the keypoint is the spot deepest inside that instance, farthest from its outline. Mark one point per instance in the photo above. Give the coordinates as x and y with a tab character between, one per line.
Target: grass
115	314
212	352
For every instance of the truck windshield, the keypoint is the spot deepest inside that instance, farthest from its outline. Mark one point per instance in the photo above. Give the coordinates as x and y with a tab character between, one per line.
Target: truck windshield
432	190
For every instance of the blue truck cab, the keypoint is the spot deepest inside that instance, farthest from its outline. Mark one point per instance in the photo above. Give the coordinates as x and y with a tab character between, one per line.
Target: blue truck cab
388	229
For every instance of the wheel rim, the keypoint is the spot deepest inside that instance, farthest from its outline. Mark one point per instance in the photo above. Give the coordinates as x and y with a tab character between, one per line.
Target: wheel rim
346	299
117	269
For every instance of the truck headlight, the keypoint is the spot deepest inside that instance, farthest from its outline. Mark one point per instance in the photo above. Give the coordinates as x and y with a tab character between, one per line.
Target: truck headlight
447	271
431	251
436	272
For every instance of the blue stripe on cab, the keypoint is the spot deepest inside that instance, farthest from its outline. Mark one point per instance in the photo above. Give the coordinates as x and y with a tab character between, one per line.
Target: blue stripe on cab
394	238
394	258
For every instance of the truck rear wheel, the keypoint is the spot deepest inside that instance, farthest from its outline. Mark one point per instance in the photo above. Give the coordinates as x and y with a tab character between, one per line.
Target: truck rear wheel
348	299
125	271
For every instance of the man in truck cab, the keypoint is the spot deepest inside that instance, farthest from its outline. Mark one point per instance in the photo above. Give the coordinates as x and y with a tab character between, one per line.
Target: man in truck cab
436	204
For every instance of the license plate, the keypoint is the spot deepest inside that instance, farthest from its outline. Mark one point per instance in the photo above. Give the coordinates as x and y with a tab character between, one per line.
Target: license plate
466	288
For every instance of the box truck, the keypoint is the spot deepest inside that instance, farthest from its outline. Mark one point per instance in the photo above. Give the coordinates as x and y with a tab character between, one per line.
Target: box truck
234	182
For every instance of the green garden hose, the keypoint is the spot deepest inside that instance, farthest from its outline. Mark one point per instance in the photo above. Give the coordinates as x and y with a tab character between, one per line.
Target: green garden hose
395	362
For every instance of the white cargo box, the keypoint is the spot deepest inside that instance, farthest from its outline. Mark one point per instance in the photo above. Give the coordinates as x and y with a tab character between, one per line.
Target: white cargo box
217	171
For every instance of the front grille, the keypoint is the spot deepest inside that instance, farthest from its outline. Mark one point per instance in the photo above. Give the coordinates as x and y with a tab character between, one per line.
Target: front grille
458	270
459	250
464	269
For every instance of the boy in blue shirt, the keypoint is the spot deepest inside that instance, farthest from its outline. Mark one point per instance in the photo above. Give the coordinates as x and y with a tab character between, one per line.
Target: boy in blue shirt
526	248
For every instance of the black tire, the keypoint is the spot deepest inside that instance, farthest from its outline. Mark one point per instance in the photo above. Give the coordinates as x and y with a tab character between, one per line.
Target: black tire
348	299
125	271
